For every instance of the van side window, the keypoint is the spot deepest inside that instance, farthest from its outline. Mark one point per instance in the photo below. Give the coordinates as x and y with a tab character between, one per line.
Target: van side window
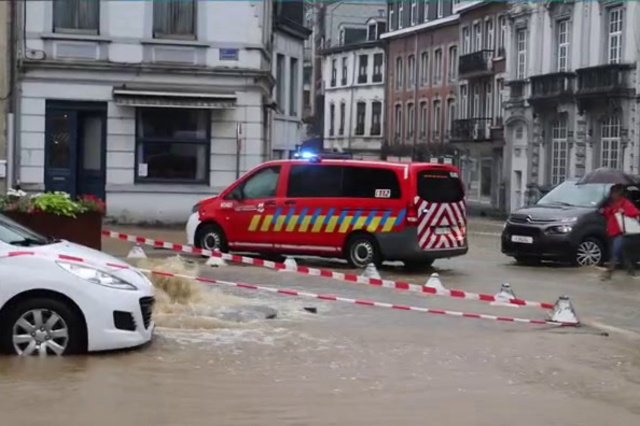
370	182
306	181
263	184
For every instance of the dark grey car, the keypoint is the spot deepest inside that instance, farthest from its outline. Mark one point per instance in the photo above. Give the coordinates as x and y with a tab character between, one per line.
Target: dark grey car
563	226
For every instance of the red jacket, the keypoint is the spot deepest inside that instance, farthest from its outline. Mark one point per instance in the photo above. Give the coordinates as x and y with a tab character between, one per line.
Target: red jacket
621	206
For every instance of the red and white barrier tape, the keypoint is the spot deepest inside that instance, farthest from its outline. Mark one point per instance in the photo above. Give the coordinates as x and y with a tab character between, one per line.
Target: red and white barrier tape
361	302
397	285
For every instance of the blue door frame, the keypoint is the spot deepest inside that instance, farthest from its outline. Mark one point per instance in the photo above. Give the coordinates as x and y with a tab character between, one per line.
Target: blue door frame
75	148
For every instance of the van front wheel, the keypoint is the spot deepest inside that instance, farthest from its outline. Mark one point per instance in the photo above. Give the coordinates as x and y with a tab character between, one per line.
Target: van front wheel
362	250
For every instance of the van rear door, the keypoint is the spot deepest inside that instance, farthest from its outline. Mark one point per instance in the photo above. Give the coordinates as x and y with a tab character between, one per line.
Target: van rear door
441	209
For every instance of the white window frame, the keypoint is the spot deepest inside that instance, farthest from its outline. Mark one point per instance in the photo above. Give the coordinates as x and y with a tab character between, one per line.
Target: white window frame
426	10
521	54
424	119
411	116
424	68
414	12
440	6
453	63
615	23
464	101
562	45
399	83
489	43
437	66
559	150
502	35
437	117
392	14
466	40
400	15
488	100
477	37
610	142
451	114
398	121
411	71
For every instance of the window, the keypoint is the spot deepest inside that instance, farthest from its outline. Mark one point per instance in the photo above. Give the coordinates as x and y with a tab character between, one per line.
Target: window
324	181
342	35
562	49
174	19
392	16
315	181
559	150
498	102
281	79
263	184
614	41
476	101
488	100
440	6
344	71
399	71
334	73
371	33
294	89
426	10
466	40
173	145
610	142
377	67
332	117
376	118
437	114
502	34
424	68
398	122
439	186
401	14
363	61
453	63
437	67
364	182
424	119
342	118
411	114
411	72
464	102
488	34
414	12
521	54
451	114
81	16
382	28
361	109
477	37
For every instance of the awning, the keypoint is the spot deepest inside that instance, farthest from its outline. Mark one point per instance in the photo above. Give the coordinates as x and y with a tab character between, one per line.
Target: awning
166	99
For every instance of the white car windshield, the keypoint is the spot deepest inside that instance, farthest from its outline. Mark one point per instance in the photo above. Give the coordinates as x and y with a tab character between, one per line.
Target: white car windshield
576	195
15	234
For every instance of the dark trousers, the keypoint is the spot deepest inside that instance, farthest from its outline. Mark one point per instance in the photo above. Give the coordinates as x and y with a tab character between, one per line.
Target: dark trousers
622	249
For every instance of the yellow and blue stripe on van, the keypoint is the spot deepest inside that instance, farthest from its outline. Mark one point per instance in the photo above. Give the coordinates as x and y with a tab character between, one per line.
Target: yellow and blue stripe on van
327	220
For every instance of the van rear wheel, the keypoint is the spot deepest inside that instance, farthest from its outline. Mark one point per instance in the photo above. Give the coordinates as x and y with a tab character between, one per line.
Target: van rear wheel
362	250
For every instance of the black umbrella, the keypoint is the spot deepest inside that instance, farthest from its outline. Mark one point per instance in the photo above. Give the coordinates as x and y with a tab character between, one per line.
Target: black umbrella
612	176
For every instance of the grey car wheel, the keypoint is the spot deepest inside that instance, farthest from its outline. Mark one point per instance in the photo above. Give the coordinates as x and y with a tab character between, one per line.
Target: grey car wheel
40	332
589	253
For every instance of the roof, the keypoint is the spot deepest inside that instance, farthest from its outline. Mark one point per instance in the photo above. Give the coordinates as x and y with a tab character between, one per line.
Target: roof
375	163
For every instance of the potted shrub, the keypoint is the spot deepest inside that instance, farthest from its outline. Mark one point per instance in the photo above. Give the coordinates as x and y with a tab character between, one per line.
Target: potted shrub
57	215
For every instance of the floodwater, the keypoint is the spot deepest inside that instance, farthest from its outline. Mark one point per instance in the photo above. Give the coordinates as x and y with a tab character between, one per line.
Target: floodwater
216	360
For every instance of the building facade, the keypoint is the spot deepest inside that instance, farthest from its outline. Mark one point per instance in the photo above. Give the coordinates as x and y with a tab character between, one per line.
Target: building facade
478	130
153	105
354	87
572	104
422	46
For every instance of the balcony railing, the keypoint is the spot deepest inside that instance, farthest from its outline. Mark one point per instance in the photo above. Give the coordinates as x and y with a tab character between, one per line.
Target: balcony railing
479	62
609	80
471	129
552	87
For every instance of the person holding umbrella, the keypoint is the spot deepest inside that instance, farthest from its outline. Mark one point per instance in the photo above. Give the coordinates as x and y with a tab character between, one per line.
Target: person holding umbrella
616	206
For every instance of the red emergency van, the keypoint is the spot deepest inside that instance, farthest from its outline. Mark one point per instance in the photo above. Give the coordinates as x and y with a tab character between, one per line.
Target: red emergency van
363	211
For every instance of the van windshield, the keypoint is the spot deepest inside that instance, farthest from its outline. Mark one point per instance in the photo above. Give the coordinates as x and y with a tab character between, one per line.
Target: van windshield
439	186
572	194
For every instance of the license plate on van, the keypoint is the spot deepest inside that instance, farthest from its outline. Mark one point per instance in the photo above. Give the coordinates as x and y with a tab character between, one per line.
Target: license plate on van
521	239
442	231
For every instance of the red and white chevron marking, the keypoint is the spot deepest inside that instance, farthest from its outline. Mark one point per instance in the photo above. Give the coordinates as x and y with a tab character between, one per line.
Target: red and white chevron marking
432	216
354	278
361	302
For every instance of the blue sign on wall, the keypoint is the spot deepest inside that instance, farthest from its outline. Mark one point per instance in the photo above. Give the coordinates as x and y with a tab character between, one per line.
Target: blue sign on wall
228	54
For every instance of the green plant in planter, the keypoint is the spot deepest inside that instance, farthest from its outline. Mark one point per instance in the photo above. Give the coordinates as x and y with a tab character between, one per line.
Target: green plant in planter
58	203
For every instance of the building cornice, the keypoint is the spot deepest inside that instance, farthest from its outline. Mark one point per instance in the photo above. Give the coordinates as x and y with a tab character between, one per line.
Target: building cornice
447	20
353	46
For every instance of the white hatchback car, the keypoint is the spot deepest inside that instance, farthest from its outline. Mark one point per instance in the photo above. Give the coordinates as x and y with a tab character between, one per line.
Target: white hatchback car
49	306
